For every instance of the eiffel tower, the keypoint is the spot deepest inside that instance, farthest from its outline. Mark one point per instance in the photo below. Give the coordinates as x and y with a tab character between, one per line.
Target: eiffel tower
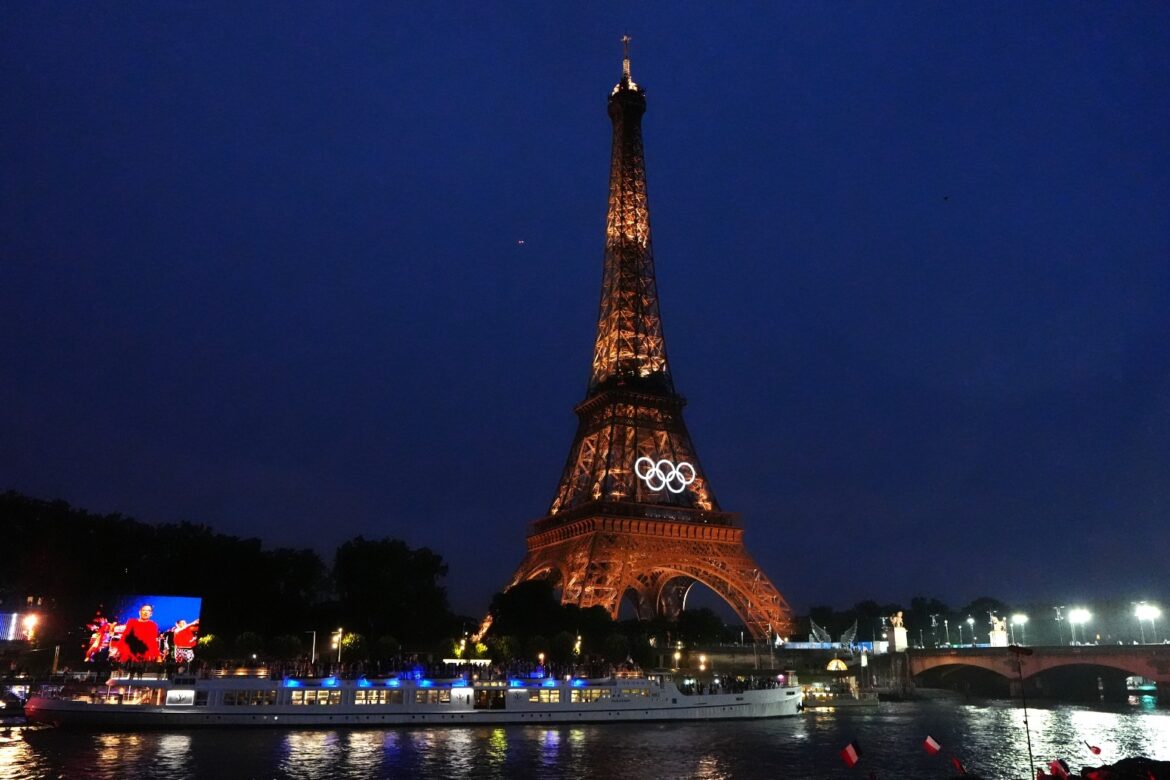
634	517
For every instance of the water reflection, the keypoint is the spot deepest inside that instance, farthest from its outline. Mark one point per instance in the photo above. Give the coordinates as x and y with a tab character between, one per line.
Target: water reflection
309	754
173	756
497	748
989	738
550	746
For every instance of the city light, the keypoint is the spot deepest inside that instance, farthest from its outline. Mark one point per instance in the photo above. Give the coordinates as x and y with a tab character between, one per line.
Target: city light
29	624
1144	612
971	625
1078	616
1021	620
336	644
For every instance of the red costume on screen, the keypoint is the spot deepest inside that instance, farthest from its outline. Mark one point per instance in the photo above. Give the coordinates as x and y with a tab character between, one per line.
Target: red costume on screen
139	641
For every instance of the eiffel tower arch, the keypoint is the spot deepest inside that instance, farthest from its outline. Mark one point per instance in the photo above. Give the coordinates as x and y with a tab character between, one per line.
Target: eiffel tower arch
634	517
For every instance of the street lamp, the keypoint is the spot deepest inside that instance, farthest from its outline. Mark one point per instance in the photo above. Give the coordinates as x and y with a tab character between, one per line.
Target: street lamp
337	643
947	630
1144	612
1021	620
971	624
313	657
1078	616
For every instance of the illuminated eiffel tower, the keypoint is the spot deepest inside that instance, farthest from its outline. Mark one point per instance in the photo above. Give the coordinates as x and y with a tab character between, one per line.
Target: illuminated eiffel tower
634	517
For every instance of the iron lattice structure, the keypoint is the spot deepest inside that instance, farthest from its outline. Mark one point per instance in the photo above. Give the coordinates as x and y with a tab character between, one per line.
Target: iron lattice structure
611	533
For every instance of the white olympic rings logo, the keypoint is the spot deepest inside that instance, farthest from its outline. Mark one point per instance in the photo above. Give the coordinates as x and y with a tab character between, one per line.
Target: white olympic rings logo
664	474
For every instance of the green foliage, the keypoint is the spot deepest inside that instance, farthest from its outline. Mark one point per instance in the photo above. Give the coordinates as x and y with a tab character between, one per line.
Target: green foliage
616	648
561	647
286	647
247	644
387	647
700	626
384	585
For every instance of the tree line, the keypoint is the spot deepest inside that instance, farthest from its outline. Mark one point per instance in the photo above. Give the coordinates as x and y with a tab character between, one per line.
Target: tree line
388	598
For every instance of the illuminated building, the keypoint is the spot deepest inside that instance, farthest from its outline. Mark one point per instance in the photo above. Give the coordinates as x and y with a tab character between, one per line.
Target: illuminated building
634	516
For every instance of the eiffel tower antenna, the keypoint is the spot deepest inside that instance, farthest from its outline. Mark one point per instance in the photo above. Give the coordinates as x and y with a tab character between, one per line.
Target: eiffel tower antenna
626	57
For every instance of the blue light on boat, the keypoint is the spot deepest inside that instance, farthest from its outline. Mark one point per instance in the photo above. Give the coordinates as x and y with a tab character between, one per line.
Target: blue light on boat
330	682
425	683
291	683
393	682
515	683
578	683
549	683
460	683
363	682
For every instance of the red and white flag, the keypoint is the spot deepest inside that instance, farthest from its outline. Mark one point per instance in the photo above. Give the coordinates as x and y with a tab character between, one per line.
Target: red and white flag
959	768
1093	749
931	746
851	754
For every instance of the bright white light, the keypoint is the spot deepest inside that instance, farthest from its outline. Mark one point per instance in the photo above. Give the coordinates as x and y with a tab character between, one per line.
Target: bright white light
1079	615
1019	619
664	474
1147	612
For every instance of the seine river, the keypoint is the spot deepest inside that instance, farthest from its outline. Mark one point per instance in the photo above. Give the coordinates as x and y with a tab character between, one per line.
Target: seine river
987	737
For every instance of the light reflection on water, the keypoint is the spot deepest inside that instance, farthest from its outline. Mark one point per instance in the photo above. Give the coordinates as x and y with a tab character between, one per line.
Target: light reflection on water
989	738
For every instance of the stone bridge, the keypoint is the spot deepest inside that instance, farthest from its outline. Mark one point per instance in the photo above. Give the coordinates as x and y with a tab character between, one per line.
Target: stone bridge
1149	661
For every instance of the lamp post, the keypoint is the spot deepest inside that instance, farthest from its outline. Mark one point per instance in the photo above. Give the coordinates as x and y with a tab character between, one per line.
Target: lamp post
960	625
313	656
947	631
1021	620
1059	619
971	625
1078	616
337	643
1144	612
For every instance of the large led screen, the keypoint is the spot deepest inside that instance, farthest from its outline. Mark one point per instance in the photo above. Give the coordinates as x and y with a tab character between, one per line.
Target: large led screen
145	629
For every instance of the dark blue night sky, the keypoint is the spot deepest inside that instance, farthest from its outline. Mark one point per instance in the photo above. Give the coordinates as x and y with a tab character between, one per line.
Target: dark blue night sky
261	269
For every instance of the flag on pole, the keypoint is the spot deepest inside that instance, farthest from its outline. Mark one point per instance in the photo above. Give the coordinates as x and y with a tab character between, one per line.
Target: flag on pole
931	746
958	765
1093	749
851	754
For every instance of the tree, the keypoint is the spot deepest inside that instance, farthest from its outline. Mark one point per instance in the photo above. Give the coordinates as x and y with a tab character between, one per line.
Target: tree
616	648
700	625
384	586
248	644
527	609
286	647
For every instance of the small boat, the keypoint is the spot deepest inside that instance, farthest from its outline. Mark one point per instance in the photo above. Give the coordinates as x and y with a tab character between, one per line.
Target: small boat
183	702
836	695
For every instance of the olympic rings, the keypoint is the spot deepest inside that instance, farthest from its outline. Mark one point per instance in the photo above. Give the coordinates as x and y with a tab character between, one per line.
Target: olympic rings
664	474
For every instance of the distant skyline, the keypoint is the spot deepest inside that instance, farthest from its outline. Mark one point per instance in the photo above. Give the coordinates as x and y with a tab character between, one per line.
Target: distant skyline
326	271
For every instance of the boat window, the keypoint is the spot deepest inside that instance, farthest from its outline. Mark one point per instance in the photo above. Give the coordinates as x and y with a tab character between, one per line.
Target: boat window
315	697
588	694
635	692
377	697
544	695
433	696
489	700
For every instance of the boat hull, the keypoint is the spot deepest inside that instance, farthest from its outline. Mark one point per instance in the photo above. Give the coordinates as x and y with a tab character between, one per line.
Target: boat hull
670	706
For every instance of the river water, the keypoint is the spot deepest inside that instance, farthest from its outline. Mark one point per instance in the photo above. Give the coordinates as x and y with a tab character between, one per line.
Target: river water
988	737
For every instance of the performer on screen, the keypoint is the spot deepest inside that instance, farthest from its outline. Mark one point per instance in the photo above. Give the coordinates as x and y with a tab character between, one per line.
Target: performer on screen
99	639
139	640
184	636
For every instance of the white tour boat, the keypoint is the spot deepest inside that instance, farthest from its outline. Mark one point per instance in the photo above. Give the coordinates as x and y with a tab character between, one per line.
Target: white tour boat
294	702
